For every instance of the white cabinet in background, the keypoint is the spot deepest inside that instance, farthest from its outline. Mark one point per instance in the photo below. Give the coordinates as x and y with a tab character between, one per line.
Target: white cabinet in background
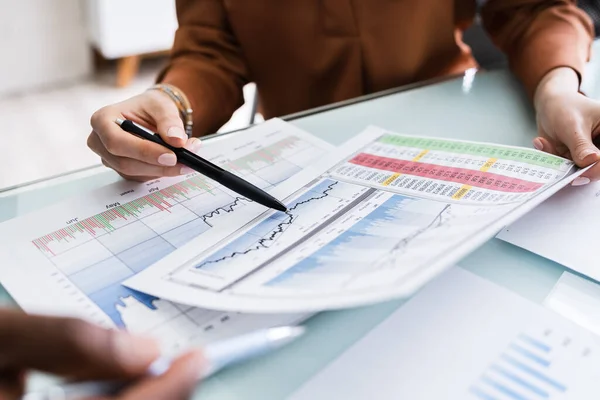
42	44
121	28
126	29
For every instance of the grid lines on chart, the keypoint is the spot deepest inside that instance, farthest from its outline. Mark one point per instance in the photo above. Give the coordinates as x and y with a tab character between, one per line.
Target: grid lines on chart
97	253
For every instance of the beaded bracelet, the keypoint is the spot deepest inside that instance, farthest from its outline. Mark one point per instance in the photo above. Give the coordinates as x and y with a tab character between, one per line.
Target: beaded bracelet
182	102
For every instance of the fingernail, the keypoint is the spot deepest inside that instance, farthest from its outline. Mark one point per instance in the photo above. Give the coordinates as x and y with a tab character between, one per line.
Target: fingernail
580	181
168	159
134	353
586	152
537	143
186	170
194	145
177	132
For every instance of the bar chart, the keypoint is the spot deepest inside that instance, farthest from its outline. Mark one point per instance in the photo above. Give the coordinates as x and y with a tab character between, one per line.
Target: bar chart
544	361
522	371
465	338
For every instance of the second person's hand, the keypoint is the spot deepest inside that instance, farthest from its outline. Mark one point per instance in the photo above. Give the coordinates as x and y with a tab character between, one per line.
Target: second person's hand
135	158
79	351
568	122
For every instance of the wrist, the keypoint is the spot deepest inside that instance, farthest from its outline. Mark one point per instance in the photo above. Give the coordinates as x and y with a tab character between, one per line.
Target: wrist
557	82
180	100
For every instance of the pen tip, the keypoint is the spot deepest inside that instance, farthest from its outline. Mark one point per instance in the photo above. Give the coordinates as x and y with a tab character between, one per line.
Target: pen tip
281	207
119	121
286	332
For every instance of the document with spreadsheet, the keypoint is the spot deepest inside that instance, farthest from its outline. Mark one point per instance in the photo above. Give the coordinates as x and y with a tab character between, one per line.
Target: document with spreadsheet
71	258
463	337
374	220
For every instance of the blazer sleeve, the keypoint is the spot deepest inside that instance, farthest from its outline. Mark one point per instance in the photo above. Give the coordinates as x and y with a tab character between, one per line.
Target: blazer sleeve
539	35
206	63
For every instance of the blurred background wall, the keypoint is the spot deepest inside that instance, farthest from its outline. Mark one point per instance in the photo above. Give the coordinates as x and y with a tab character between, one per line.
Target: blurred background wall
42	43
51	42
60	60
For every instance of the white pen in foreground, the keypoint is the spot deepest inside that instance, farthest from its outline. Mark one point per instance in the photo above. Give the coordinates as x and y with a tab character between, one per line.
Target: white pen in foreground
218	355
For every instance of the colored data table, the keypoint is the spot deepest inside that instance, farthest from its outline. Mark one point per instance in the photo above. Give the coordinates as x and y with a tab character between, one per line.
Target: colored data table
482	107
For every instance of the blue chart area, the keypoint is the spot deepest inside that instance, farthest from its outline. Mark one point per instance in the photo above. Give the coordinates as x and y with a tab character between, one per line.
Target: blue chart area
389	227
523	371
109	298
269	230
333	233
128	250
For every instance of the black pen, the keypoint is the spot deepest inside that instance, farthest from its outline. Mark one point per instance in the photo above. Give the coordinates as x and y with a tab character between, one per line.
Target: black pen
207	168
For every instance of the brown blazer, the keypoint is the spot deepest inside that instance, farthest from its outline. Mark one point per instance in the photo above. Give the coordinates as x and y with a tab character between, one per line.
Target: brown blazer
307	53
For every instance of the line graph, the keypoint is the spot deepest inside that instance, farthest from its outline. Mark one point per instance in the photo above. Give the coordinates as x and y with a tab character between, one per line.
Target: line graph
321	203
351	251
274	224
336	236
96	253
226	209
437	221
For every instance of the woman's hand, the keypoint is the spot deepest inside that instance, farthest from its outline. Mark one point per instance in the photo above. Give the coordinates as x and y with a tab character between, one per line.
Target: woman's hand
568	122
135	158
76	350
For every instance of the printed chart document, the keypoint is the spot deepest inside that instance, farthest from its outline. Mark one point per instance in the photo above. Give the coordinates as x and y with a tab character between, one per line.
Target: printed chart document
374	220
463	337
70	259
563	229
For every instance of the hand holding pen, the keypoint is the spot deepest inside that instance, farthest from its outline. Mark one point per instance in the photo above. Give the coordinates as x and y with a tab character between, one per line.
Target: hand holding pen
127	367
206	168
135	158
77	350
135	155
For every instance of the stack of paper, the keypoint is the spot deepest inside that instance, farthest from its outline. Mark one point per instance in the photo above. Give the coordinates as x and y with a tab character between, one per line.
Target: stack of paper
373	220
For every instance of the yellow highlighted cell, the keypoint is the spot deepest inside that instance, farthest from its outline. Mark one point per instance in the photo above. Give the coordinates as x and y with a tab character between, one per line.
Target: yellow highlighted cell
488	164
464	189
420	155
390	179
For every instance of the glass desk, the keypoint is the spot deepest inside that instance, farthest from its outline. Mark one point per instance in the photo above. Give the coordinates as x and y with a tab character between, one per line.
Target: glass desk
485	106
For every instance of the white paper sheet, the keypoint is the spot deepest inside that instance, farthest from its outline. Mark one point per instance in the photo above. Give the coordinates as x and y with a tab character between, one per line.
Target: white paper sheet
355	231
577	299
463	337
563	229
70	259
